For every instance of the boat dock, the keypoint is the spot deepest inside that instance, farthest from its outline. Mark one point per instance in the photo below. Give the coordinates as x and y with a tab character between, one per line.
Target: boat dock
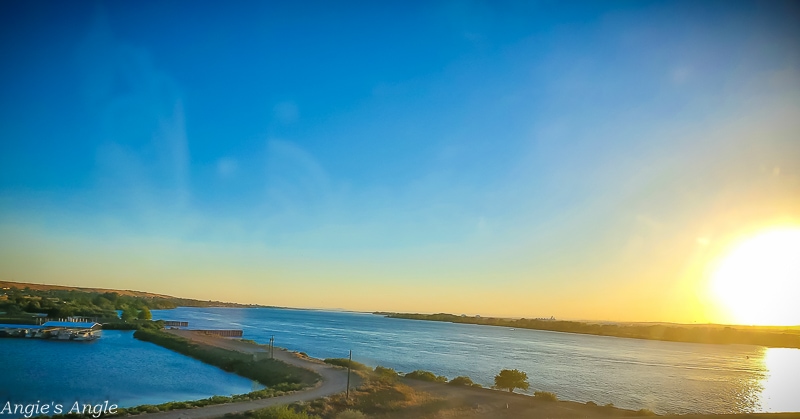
59	330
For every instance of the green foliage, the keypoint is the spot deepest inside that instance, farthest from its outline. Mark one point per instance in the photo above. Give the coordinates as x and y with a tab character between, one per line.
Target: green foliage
144	314
59	302
511	379
279	412
462	381
269	372
426	376
385	375
546	396
351	414
344	362
134	325
277	390
128	314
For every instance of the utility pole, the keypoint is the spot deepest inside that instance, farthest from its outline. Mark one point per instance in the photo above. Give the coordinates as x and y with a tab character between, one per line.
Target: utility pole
272	347
347	392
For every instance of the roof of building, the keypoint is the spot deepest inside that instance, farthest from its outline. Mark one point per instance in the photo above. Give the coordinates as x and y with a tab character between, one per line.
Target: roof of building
72	325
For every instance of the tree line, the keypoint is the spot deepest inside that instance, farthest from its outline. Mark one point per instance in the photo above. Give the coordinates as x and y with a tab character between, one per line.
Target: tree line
770	337
22	302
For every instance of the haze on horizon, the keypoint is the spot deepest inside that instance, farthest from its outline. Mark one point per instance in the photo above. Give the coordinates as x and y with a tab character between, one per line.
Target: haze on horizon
589	160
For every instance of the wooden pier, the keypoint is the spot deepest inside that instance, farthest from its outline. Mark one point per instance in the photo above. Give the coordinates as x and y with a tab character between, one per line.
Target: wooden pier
221	333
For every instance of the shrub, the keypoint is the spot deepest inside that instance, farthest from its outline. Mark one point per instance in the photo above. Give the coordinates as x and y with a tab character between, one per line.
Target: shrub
461	381
280	412
344	362
351	414
149	409
545	395
385	375
426	376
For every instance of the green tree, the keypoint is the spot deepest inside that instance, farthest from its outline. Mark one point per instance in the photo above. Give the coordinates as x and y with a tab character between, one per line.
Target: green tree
128	314
145	314
511	379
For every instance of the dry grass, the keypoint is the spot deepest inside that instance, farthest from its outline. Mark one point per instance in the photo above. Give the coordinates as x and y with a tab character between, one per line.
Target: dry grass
379	399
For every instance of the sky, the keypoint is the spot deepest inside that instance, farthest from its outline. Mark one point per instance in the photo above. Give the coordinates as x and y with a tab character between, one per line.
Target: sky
583	160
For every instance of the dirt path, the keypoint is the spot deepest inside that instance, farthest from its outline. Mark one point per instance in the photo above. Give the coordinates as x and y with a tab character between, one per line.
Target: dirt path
334	380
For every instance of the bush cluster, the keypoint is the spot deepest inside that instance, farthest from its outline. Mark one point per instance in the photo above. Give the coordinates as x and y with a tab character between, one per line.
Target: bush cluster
546	396
426	376
463	380
344	362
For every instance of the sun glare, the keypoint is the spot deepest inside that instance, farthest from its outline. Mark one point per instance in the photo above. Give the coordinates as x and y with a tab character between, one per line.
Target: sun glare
758	282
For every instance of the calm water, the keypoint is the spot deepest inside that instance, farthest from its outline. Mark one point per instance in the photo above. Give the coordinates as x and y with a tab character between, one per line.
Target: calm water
116	367
666	377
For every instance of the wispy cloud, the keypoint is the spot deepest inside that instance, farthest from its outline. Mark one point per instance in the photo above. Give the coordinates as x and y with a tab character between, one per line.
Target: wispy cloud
227	167
144	156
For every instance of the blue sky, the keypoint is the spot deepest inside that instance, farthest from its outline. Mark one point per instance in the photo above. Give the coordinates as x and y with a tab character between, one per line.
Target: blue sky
427	154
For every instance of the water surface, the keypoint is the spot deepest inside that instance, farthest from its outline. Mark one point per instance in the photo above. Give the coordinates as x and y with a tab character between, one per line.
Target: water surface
666	377
118	368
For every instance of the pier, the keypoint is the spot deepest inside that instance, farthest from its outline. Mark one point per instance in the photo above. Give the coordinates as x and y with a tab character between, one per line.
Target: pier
221	333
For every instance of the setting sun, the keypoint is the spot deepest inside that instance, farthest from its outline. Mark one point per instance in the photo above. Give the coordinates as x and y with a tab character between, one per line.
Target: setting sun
758	281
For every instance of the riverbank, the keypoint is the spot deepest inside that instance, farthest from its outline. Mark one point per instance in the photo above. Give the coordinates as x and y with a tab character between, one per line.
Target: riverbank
385	395
771	337
247	359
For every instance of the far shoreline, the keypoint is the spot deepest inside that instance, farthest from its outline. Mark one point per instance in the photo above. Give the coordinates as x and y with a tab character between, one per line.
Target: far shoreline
767	336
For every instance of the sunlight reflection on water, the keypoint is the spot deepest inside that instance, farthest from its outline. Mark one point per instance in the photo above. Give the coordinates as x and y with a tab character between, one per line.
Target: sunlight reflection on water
781	386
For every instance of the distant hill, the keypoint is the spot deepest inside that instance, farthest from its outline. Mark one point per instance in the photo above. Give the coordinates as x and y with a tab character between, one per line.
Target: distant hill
46	287
185	302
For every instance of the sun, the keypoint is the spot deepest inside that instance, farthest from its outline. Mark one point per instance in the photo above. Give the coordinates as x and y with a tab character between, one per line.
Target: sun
758	281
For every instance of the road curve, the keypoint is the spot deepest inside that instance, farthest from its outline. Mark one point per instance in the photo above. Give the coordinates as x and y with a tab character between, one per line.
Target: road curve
334	380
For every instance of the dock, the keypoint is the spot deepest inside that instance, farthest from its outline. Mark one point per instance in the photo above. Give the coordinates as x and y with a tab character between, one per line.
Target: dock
220	333
58	330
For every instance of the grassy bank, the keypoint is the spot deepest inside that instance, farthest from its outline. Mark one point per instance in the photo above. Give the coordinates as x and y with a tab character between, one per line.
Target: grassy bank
268	372
775	337
274	391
